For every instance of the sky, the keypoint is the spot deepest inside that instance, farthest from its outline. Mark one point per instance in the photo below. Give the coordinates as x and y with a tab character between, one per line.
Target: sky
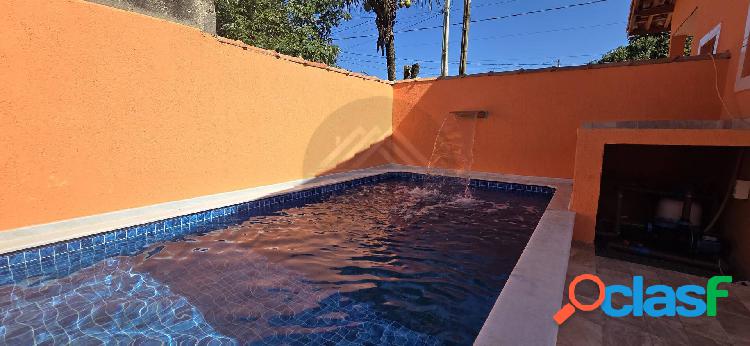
574	35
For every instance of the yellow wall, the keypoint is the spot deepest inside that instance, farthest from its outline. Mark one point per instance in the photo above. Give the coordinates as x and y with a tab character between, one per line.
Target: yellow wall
101	110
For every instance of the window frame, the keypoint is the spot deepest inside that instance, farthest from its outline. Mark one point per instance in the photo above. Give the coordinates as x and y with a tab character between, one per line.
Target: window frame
715	33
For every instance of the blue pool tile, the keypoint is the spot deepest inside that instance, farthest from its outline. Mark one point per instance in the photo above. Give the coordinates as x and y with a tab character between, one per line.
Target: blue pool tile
4	261
62	259
121	234
111	249
18	272
87	242
48	266
31	255
74	256
74	245
33	268
98	240
109	237
5	276
60	249
87	259
46	252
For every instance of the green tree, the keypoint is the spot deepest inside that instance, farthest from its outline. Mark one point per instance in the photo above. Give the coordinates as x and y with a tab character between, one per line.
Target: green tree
299	28
385	19
642	47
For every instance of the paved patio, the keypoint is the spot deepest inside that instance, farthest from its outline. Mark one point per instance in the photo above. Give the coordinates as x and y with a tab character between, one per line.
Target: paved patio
730	327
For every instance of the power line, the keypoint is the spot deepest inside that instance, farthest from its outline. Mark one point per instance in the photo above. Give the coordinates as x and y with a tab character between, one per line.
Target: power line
545	10
484	60
590	55
350	27
406	23
538	11
412	25
486	63
423	20
490	4
430	15
487	38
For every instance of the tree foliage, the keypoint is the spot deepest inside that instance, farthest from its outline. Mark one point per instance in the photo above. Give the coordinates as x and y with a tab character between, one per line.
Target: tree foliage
642	47
411	71
385	19
299	28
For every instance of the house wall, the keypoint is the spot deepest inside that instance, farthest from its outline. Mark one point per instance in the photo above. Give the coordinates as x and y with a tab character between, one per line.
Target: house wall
104	110
590	153
699	17
531	129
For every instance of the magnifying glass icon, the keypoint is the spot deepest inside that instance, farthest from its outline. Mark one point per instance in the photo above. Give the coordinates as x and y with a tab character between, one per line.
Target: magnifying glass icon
563	314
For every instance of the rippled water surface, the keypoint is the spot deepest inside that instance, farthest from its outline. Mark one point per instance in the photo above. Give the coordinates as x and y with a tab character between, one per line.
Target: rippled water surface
393	263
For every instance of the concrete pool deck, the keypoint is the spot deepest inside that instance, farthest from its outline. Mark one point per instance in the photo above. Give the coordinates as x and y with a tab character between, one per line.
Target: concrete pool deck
521	315
729	327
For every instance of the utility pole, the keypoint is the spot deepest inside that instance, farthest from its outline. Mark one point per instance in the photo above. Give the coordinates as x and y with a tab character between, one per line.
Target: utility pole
465	37
446	27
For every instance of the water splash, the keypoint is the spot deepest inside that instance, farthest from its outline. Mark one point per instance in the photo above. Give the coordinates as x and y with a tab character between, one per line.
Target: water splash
453	148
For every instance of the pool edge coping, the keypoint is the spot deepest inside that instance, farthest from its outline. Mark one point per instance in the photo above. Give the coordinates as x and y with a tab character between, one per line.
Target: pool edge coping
522	314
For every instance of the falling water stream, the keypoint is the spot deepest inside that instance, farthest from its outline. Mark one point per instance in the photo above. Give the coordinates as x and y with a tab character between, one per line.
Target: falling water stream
454	148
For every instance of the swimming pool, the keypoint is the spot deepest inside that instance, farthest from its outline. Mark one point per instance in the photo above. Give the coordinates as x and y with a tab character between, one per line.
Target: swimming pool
398	258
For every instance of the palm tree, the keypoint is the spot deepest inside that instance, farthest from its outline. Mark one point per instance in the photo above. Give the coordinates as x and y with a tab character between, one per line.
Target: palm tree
385	19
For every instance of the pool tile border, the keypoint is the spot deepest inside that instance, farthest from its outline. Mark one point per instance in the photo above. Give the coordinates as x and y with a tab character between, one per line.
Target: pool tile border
71	255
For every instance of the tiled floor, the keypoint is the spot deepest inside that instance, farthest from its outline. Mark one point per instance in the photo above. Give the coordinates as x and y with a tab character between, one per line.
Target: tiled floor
731	326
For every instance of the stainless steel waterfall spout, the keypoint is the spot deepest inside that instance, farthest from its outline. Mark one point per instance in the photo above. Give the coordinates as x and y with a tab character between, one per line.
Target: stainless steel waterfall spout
471	114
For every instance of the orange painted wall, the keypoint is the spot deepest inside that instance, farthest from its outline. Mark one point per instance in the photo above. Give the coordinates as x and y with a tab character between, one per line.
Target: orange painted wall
533	118
102	109
590	155
699	17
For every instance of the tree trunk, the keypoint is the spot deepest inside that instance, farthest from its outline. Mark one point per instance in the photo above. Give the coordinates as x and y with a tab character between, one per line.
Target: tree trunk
390	57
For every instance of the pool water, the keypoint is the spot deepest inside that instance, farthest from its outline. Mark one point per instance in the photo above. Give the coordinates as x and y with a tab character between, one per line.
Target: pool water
402	263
